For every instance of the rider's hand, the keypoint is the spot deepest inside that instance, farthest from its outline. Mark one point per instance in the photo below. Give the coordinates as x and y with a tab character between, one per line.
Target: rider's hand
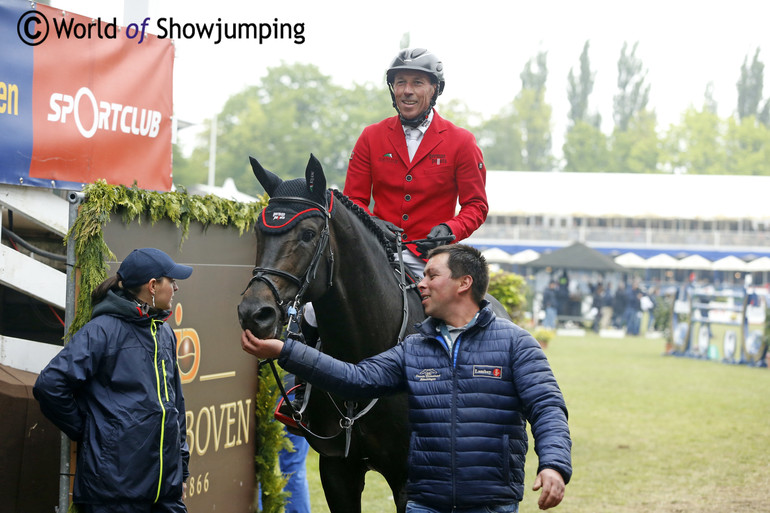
261	348
437	232
386	226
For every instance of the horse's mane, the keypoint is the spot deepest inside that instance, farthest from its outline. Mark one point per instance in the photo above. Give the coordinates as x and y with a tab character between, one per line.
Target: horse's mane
368	222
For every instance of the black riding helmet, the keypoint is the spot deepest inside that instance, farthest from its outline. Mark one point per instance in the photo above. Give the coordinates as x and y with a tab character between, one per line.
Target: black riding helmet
417	59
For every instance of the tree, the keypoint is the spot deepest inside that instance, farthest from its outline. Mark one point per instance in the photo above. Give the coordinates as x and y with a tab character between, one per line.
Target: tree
519	137
633	94
696	144
534	116
500	140
585	147
578	91
750	85
635	146
747	147
294	111
636	149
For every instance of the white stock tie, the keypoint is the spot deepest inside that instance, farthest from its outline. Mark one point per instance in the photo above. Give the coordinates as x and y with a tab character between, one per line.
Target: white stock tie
411	141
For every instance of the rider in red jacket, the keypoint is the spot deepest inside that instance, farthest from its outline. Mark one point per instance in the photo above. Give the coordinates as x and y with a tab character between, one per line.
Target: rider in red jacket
418	190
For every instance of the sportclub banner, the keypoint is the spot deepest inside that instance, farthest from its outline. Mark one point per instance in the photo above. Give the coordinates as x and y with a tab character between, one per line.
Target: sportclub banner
82	100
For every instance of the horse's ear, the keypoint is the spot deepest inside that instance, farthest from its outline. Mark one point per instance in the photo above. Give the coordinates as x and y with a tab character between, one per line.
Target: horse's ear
268	180
316	181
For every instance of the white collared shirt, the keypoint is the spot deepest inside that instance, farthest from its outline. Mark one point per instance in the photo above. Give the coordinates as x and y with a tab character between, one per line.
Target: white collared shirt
413	144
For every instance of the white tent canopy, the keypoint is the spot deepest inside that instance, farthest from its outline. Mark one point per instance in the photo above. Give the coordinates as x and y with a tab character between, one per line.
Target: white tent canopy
729	263
631	260
524	257
662	261
497	256
694	263
761	264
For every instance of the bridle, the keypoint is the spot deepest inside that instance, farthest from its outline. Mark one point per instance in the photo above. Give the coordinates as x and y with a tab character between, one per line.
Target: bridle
289	311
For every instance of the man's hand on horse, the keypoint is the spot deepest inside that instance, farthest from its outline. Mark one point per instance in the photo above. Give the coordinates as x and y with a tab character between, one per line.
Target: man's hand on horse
439	235
553	486
261	348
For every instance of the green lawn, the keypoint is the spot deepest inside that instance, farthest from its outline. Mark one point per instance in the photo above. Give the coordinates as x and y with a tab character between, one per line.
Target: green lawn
650	433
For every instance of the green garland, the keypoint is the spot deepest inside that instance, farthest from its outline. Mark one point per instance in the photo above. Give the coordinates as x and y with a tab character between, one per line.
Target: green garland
91	254
270	439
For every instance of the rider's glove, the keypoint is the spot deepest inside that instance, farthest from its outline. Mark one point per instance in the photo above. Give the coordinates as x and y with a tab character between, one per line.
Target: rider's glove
439	235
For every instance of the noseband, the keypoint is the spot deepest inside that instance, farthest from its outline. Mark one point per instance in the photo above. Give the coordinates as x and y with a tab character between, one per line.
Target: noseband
303	282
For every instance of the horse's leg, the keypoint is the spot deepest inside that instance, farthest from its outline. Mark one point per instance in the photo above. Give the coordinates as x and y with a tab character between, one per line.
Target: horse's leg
343	482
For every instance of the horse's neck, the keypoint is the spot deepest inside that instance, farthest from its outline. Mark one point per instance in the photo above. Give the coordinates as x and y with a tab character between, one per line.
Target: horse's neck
364	305
364	265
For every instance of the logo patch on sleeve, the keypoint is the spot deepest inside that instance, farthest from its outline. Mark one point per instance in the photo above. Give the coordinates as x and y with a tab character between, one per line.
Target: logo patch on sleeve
487	371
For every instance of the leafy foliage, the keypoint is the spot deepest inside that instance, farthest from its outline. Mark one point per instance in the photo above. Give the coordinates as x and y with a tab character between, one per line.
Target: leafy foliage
633	94
697	144
579	89
295	110
750	87
269	440
134	204
511	290
636	149
586	149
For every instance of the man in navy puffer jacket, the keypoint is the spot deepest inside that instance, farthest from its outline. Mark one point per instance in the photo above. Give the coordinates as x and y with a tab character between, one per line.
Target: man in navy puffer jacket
473	381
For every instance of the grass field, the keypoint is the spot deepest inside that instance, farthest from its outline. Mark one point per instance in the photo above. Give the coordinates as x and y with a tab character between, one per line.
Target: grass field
650	433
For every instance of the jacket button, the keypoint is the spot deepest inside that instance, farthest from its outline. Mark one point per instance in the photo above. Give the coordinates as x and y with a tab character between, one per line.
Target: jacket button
404	236
405	217
408	197
408	178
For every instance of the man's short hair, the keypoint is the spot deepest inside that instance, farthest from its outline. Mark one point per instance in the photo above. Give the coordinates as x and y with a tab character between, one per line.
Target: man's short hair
466	260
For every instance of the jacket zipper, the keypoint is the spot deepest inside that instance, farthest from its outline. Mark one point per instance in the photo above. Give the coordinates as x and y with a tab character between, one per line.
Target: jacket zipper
455	349
154	331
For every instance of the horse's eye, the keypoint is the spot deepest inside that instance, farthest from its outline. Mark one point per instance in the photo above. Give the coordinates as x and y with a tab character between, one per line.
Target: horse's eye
307	235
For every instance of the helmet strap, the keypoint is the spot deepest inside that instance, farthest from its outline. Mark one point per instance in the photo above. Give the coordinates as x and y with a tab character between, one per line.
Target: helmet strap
420	119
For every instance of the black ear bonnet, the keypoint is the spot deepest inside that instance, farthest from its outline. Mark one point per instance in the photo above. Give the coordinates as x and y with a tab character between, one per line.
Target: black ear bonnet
281	213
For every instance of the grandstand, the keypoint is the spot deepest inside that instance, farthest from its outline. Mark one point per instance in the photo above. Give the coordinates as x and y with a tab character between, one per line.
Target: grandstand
709	217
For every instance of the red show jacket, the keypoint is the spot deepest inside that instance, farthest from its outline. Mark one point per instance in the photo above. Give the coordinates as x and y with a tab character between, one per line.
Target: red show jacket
416	196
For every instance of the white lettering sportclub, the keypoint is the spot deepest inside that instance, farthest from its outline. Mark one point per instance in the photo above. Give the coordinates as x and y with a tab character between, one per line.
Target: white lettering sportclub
106	115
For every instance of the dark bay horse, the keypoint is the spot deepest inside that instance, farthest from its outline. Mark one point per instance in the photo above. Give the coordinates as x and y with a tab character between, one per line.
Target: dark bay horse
317	244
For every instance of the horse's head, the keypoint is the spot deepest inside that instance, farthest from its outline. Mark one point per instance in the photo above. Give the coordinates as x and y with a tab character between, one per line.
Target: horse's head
292	244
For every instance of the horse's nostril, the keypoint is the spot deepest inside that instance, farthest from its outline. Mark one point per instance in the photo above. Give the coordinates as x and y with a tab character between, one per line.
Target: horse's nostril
264	314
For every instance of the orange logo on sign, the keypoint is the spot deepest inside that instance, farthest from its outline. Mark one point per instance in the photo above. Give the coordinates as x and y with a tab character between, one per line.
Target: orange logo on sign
188	349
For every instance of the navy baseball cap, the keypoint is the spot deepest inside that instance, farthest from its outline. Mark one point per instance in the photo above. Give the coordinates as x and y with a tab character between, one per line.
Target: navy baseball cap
142	265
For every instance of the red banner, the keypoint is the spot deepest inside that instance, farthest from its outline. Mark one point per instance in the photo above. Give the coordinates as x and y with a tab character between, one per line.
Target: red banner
101	102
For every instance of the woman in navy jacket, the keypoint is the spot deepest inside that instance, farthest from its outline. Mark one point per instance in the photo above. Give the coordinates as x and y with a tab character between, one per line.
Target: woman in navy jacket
115	389
473	381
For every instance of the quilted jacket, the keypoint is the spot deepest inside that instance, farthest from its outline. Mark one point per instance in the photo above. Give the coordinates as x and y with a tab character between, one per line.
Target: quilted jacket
468	408
115	389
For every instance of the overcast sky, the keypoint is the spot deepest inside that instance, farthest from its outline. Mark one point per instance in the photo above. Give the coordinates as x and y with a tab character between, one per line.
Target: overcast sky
484	44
